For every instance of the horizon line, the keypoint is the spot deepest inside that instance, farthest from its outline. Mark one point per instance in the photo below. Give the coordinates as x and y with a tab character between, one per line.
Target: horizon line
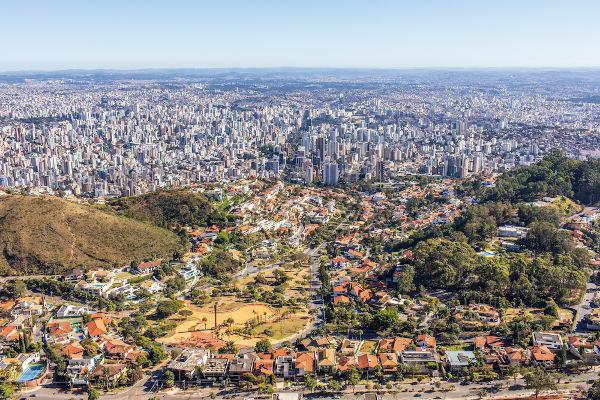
314	68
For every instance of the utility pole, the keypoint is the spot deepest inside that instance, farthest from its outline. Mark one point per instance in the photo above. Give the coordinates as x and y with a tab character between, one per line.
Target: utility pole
215	315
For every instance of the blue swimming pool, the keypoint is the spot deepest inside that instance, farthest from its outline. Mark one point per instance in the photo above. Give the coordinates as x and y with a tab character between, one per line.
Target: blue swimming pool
33	371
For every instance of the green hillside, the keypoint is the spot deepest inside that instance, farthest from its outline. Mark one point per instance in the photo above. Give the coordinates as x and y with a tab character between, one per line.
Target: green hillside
167	208
49	235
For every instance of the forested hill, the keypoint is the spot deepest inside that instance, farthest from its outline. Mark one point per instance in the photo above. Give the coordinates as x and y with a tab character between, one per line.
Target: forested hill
555	175
172	208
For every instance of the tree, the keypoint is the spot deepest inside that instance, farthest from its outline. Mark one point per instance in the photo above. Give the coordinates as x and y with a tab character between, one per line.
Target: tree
440	263
594	391
263	346
92	394
539	379
229	348
386	319
310	382
15	289
167	308
91	348
6	391
169	379
406	280
551	309
353	377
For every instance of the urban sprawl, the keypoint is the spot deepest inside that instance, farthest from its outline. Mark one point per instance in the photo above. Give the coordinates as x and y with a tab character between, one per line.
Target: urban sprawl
365	238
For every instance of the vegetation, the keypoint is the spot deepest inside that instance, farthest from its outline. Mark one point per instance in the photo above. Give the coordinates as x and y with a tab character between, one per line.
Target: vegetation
44	234
539	379
169	208
556	175
444	264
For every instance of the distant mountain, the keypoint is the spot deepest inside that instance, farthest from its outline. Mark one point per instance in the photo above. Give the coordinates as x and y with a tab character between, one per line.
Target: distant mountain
48	235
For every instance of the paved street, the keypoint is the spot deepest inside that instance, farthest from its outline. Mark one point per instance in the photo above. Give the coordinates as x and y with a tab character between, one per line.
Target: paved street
409	390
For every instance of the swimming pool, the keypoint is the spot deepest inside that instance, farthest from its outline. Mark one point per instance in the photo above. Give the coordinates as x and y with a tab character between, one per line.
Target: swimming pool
33	371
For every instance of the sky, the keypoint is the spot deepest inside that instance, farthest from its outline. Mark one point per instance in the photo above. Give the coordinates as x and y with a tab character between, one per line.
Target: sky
132	34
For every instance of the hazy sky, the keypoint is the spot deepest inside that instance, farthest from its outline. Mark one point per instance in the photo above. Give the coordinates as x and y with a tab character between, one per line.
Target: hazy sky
57	34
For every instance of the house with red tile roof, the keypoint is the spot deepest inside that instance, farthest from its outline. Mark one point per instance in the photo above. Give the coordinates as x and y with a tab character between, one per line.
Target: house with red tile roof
73	350
344	363
541	355
425	341
9	333
341	300
367	362
397	344
304	364
389	362
263	367
96	327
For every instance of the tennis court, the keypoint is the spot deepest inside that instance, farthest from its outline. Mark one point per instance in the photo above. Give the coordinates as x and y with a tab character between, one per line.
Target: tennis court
32	372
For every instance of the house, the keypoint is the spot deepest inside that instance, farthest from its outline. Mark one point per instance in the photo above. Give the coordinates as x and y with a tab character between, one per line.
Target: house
28	306
541	355
74	275
96	327
459	360
263	366
517	356
418	360
367	362
241	366
314	344
510	231
187	363
108	373
304	364
489	342
552	341
389	362
117	349
147	267
79	370
349	347
344	363
284	362
72	311
152	286
592	320
96	288
9	333
214	370
396	344
189	271
61	332
425	341
326	360
342	299
73	350
354	255
583	349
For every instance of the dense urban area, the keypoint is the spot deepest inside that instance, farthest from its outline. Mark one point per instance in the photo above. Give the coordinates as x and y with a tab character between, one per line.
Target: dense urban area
288	234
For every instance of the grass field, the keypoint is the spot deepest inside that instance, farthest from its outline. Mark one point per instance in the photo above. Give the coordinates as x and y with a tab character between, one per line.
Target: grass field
202	318
368	347
534	313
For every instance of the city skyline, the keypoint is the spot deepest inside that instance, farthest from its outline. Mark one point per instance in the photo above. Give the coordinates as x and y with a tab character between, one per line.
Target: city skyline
266	34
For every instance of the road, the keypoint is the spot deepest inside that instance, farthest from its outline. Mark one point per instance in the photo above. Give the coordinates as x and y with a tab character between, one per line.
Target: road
404	391
585	306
